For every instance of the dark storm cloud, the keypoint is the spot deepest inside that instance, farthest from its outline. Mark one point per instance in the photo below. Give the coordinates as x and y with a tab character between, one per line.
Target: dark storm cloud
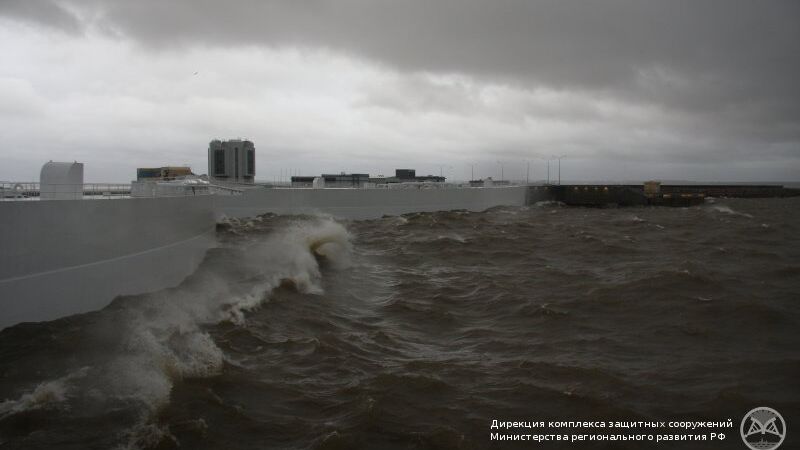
45	12
700	55
717	71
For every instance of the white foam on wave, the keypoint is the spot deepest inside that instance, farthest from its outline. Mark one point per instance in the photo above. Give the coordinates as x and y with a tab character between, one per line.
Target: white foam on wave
549	204
160	338
728	210
452	237
48	394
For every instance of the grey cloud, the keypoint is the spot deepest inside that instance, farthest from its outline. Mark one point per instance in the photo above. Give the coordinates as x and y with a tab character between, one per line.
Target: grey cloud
729	44
44	12
719	74
707	57
18	100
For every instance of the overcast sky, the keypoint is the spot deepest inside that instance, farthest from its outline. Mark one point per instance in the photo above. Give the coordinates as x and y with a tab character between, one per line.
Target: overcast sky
626	90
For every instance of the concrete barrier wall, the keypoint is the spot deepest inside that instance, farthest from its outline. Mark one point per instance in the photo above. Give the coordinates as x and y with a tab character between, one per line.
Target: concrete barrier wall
74	232
70	256
634	194
535	194
368	203
65	257
599	195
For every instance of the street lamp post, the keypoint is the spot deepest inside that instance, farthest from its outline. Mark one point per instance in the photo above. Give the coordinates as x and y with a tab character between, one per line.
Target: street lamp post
528	173
441	169
558	157
548	171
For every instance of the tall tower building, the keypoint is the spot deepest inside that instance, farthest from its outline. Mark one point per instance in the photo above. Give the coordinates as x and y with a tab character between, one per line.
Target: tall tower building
233	160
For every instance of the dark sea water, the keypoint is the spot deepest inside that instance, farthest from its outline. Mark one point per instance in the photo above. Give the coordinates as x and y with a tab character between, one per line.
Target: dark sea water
416	332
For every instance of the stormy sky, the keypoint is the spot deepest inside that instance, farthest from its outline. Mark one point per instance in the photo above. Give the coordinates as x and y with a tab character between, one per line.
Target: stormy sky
625	90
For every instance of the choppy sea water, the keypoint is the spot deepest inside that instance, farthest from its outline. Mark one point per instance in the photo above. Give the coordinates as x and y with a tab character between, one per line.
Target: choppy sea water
418	331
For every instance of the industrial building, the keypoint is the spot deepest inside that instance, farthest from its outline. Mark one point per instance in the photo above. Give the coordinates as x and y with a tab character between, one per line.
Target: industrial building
302	181
162	173
354	180
340	180
410	176
405	174
429	179
233	160
345	179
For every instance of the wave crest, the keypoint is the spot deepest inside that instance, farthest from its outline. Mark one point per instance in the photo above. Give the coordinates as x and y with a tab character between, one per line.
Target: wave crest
158	339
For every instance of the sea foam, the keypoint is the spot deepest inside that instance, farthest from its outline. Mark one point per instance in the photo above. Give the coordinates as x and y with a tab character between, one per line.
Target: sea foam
159	339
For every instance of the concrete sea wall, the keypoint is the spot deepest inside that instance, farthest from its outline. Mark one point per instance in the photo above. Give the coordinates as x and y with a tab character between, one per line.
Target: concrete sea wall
634	194
70	256
65	257
359	204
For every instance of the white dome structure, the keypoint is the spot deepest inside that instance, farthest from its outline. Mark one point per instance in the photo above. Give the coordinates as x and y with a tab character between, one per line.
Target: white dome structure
61	181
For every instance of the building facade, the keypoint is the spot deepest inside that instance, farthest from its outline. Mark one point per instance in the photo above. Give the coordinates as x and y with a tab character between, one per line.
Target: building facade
233	160
345	179
162	173
407	176
302	181
340	180
356	180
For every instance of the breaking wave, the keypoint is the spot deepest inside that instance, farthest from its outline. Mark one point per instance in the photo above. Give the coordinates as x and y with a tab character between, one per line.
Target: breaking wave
725	209
161	338
48	394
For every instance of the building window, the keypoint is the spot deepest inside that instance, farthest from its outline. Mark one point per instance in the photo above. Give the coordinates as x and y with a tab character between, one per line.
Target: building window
251	162
219	162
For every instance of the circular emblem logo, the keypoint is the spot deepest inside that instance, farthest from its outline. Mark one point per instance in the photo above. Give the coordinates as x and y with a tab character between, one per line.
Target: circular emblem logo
763	429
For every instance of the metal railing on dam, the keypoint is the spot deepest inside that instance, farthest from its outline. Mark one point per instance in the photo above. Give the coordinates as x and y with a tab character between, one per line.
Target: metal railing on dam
31	190
28	190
